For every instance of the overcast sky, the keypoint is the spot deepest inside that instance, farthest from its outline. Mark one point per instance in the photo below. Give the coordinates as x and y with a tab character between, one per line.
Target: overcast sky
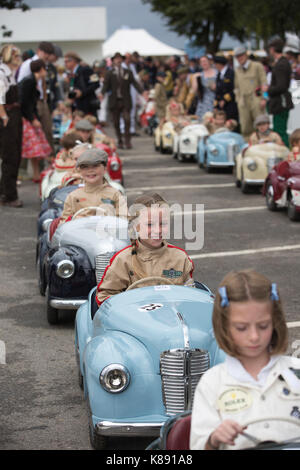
132	13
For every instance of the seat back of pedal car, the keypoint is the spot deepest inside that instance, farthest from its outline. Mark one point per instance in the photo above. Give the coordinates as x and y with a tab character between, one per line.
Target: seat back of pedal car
177	433
283	169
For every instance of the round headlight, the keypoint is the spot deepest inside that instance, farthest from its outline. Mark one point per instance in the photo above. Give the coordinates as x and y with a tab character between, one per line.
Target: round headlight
252	165
213	150
46	224
65	269
168	135
114	378
186	141
114	166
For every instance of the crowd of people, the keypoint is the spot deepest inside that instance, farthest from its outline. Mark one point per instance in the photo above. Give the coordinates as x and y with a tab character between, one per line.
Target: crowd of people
38	93
248	318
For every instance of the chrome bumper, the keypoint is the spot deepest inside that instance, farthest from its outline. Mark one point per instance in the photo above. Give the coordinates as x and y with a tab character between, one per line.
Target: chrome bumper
109	428
254	181
66	304
225	164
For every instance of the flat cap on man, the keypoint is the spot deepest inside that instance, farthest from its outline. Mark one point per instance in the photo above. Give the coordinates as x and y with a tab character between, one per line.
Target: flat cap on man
92	157
240	50
84	125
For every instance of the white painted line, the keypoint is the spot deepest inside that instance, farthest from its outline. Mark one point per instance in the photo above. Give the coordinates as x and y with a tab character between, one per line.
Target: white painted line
159	169
178	186
293	324
220	211
221	254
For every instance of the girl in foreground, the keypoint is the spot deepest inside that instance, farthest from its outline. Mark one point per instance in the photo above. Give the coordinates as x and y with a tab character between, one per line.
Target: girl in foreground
149	254
256	382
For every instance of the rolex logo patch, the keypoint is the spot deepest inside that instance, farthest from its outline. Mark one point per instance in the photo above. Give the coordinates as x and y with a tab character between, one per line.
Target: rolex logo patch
171	273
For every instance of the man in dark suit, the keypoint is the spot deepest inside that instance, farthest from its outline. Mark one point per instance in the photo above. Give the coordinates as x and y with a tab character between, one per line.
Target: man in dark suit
117	81
225	98
280	100
83	83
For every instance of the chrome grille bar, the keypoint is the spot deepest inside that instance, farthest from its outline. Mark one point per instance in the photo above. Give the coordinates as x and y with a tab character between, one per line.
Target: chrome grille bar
101	261
181	370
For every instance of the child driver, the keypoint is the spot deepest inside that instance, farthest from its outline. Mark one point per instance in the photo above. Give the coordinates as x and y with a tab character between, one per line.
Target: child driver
96	192
149	254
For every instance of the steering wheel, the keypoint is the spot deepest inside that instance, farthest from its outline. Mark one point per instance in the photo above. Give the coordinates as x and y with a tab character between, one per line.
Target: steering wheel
259	420
69	181
158	279
95	208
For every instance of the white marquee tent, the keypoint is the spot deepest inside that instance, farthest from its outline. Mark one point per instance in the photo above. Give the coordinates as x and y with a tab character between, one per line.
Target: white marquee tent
139	40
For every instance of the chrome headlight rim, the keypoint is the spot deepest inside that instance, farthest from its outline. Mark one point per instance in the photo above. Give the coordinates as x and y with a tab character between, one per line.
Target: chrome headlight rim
46	223
213	150
106	377
252	165
114	166
62	265
168	135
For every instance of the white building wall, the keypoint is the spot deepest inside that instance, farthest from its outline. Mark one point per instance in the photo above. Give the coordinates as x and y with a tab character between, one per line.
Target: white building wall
82	30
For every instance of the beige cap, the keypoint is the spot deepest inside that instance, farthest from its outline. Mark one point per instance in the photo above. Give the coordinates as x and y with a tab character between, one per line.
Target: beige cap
92	157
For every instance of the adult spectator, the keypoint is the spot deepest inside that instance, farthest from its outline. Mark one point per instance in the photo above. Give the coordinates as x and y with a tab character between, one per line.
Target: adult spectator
99	67
160	97
249	78
34	143
204	86
82	84
280	99
225	98
54	94
129	65
118	81
44	50
292	52
10	126
152	69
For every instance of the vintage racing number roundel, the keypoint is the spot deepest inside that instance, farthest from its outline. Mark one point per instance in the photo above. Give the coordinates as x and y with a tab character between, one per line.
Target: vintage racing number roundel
234	400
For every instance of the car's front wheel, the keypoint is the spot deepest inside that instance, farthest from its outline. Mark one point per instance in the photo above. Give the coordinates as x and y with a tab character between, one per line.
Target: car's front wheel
181	157
293	214
97	442
244	185
271	204
52	313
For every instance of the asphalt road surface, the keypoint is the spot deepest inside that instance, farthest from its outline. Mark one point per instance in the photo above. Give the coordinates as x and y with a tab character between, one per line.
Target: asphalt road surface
41	404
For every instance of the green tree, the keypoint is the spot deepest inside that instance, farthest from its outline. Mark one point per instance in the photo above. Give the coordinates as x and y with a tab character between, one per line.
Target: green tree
205	21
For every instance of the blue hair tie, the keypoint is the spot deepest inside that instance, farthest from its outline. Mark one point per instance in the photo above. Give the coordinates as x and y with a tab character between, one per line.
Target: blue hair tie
274	292
224	298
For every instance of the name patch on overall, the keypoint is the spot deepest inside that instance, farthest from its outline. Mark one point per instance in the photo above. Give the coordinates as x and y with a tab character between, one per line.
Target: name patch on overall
108	201
234	400
171	273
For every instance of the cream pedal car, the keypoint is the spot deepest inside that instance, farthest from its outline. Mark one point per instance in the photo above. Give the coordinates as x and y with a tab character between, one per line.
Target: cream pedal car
164	137
255	162
188	140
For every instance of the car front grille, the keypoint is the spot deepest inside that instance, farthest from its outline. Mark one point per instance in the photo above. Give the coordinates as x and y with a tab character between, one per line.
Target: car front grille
181	370
101	261
232	151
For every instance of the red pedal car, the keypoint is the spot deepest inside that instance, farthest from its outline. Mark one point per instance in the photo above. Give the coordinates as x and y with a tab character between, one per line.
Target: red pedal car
282	188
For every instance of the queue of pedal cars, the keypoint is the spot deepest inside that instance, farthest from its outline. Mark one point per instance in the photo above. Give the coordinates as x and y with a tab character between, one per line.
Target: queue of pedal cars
167	327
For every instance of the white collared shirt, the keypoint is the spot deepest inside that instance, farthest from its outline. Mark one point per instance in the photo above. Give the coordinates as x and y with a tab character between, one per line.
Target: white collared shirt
7	78
228	392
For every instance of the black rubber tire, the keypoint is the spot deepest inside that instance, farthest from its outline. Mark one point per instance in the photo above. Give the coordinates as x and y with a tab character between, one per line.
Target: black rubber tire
97	442
271	204
52	313
292	213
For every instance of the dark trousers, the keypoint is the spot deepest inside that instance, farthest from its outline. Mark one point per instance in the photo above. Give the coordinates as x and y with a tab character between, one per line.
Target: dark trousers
117	111
10	153
280	126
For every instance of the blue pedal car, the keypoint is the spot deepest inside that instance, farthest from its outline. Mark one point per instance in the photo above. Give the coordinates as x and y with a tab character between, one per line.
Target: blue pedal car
141	354
219	150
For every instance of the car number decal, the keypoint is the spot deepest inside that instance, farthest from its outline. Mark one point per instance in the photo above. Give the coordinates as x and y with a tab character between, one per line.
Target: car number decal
150	307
